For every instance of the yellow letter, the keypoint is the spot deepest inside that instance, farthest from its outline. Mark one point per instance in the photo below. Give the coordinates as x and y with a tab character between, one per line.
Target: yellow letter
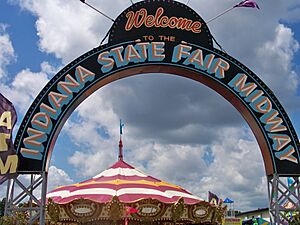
3	144
10	165
6	115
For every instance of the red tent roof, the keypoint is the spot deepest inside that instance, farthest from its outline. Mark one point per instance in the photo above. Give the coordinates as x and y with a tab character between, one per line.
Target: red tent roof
124	181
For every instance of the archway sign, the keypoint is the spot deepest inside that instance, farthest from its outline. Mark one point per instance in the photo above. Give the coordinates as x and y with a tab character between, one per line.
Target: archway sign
167	37
151	37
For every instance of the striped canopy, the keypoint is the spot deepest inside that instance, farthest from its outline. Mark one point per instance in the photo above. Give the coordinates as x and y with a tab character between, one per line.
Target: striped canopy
125	182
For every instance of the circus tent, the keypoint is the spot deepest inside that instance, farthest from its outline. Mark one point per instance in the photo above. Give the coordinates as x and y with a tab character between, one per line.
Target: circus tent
125	182
110	196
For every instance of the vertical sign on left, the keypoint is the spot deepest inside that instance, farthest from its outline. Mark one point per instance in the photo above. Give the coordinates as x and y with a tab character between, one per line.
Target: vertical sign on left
8	156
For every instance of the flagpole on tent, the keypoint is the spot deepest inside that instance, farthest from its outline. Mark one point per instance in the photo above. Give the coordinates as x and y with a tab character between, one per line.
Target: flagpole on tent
120	142
92	7
131	2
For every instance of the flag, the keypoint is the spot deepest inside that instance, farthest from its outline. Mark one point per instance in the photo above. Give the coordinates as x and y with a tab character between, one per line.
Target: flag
290	181
121	127
8	118
213	198
227	200
247	3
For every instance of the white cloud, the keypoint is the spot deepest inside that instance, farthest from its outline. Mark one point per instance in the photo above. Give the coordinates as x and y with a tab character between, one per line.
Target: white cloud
74	29
20	88
87	130
7	53
26	85
276	62
57	177
237	171
185	160
92	162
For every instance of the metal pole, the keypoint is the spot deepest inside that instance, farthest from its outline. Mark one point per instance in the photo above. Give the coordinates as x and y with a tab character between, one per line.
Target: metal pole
221	14
272	198
92	7
43	198
277	218
12	190
30	198
7	197
297	190
270	191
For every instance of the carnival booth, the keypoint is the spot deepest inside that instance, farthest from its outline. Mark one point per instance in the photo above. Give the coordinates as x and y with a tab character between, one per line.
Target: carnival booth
124	195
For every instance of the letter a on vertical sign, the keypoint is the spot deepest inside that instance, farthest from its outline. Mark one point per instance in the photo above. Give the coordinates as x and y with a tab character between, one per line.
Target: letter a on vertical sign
8	157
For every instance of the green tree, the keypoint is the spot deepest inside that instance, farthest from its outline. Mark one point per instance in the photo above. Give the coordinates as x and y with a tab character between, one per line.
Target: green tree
20	218
296	219
2	207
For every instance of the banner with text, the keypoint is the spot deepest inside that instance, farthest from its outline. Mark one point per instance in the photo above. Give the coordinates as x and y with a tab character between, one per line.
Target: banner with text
8	157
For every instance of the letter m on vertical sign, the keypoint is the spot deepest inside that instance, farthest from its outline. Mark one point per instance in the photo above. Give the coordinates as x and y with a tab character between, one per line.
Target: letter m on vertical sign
8	157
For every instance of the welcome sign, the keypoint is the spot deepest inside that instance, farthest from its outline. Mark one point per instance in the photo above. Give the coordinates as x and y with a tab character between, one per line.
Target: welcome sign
150	37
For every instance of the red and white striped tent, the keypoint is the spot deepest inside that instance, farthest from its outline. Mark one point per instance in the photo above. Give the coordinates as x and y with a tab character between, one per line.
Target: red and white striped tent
106	198
125	182
113	195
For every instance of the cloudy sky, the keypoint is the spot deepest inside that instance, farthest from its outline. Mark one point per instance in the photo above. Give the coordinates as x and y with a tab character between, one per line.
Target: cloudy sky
175	129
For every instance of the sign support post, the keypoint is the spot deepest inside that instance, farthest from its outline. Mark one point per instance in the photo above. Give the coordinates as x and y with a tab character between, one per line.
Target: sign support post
43	198
283	200
36	208
7	195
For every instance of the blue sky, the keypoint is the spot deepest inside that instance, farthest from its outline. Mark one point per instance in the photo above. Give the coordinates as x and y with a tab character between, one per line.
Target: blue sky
23	36
177	124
